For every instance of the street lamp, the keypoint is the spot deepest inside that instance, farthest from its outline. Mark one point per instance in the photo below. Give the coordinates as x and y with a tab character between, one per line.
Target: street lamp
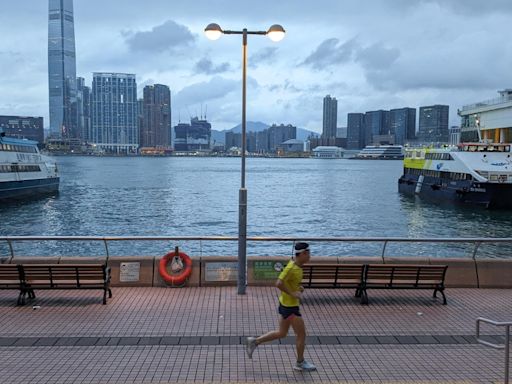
275	33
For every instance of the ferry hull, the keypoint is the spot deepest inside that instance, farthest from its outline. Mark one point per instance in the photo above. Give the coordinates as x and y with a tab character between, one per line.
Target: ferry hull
18	190
464	192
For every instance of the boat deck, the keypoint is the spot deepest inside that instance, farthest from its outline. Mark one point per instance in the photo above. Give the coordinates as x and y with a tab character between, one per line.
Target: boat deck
163	335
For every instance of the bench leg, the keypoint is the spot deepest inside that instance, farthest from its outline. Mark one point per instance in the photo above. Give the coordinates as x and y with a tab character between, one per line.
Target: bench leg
444	297
358	293
364	296
21	298
104	297
109	293
31	294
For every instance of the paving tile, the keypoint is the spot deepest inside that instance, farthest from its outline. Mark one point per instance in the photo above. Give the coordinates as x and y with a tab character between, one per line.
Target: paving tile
406	339
367	340
27	341
210	340
347	340
288	340
328	340
46	341
387	340
229	340
426	339
102	341
150	340
129	341
312	340
445	339
460	339
169	340
190	340
67	341
113	341
7	341
87	341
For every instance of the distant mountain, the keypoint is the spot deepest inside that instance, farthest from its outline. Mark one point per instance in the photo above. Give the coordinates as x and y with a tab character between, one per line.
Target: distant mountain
255	126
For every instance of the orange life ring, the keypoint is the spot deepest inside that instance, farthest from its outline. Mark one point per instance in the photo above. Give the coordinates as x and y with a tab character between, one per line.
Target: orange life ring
175	279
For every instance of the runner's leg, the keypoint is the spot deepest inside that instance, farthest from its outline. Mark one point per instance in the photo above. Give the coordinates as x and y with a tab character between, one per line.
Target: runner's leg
300	333
284	326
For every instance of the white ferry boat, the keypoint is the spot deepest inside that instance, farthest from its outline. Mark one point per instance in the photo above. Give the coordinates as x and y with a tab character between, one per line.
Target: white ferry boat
381	152
24	172
472	173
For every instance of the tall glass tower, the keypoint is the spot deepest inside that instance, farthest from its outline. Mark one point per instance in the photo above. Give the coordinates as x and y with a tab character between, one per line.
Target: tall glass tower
62	70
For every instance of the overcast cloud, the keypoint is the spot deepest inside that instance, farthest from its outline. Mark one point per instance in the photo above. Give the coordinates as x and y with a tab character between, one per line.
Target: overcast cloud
370	55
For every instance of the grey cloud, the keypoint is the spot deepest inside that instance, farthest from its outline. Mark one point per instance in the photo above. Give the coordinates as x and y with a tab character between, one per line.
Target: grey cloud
331	52
167	36
206	66
265	55
377	56
216	88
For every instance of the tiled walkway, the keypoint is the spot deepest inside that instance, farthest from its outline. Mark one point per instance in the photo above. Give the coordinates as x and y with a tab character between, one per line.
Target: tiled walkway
158	335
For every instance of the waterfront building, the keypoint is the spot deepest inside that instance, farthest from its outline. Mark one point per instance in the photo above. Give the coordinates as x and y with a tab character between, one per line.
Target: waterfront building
22	127
327	152
62	70
433	124
489	120
454	135
195	136
327	142
83	107
376	123
233	139
330	117
114	113
355	131
156	116
402	124
293	146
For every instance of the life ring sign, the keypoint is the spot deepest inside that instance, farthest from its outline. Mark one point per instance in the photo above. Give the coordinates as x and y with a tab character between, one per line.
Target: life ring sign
179	270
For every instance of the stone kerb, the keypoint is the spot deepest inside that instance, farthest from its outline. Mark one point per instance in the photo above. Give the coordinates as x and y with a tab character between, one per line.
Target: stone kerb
35	260
493	273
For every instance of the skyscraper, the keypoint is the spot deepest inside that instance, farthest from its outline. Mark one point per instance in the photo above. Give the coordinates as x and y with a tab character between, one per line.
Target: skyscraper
62	70
433	127
114	112
376	124
402	123
83	108
156	122
330	119
355	131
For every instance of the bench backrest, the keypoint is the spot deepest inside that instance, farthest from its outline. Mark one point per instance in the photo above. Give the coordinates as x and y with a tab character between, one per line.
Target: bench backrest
331	274
404	273
59	272
9	274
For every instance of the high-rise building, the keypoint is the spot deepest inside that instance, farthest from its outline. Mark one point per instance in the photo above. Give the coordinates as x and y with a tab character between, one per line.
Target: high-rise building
355	131
376	124
433	127
83	108
23	127
62	70
156	122
278	134
330	117
114	112
402	124
195	136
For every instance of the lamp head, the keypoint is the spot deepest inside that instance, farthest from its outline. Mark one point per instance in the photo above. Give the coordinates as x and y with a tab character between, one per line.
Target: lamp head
213	31
276	33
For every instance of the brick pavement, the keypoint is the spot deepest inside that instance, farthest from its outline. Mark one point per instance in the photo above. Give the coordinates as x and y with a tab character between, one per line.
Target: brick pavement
159	335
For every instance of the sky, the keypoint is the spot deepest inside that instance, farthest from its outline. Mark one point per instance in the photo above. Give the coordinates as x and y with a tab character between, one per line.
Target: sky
372	54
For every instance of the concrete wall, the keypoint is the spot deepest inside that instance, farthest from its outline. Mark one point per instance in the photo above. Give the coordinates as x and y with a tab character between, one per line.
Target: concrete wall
263	271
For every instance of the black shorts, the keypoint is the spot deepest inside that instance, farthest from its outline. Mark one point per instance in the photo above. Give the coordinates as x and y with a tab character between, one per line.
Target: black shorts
286	312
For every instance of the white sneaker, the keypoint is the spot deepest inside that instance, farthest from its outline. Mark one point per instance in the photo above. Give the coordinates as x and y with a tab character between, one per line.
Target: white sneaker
304	366
250	346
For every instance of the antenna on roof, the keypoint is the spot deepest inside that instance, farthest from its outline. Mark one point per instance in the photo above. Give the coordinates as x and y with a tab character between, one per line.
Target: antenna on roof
205	112
201	111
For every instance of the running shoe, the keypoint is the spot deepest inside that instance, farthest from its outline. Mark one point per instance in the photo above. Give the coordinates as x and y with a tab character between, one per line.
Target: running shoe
250	346
304	366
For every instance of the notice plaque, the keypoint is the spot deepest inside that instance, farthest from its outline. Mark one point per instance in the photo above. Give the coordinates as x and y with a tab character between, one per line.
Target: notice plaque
267	270
221	271
129	272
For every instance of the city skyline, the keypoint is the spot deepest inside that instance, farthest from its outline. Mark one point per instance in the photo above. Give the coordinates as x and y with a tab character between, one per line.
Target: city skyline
371	68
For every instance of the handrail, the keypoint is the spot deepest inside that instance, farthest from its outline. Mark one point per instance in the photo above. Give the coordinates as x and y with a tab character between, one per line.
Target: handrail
505	346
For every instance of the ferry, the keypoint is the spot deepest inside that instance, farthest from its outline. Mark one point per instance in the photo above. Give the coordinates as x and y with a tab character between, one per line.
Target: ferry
471	173
24	171
381	152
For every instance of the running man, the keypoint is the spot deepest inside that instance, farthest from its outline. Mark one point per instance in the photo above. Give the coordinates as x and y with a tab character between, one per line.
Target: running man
291	291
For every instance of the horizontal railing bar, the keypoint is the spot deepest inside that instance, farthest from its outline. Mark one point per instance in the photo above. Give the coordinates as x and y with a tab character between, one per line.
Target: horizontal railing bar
496	323
263	239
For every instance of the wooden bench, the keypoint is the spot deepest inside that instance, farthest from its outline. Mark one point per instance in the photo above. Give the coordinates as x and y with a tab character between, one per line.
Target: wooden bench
10	278
65	276
332	276
403	276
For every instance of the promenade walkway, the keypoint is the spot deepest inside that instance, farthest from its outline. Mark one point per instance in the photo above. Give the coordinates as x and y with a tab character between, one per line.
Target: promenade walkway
163	335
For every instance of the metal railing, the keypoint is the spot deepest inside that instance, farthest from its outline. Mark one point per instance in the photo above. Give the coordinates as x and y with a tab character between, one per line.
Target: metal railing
505	346
385	241
487	103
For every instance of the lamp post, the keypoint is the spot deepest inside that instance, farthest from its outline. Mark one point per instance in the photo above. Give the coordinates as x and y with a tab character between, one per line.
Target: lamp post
275	33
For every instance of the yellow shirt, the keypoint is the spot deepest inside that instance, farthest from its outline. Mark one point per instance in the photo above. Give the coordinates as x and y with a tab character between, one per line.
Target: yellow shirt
291	276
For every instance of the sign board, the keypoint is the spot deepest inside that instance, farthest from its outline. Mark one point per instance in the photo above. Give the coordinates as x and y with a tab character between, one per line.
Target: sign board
129	272
221	271
267	270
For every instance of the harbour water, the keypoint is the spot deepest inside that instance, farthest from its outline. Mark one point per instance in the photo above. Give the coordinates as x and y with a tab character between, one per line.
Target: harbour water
189	196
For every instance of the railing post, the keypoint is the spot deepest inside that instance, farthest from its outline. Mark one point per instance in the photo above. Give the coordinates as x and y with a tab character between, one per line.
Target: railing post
507	354
384	251
11	249
106	250
475	250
